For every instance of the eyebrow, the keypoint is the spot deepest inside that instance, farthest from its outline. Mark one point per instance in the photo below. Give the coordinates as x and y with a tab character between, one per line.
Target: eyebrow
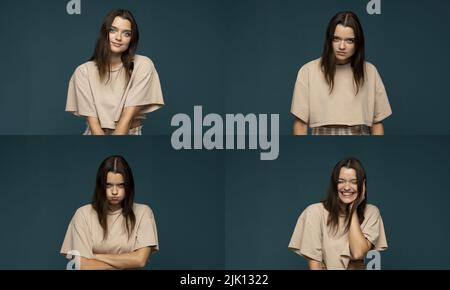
112	26
350	38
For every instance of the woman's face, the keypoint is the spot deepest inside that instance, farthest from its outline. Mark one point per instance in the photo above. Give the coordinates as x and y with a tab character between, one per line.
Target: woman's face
120	35
347	185
343	43
115	189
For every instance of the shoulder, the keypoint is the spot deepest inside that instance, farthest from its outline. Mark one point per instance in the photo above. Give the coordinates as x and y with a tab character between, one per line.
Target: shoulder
371	210
315	209
82	69
311	66
142	209
370	67
84	213
141	61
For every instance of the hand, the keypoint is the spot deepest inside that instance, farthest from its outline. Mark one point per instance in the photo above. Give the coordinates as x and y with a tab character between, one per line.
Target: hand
360	198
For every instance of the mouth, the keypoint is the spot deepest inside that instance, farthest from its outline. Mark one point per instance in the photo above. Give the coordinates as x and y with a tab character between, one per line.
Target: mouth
116	44
347	194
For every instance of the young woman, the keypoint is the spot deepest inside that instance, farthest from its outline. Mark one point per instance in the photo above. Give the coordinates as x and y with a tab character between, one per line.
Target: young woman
338	232
112	232
116	87
340	93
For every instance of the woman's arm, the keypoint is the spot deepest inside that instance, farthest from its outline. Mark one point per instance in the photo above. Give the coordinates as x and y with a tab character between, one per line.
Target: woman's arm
300	127
133	260
315	265
94	125
378	129
92	264
123	126
359	245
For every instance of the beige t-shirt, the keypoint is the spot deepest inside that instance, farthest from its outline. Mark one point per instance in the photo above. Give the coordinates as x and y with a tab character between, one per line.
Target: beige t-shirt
88	96
313	239
85	233
313	103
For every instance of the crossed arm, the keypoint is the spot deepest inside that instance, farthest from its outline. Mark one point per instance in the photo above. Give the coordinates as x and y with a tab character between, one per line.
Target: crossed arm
122	127
133	260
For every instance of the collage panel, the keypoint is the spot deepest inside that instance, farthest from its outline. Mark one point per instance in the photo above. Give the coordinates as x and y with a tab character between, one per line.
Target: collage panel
48	188
406	190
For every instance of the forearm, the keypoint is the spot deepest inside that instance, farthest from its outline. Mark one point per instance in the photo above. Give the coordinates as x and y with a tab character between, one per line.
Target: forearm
94	126
92	264
300	127
359	245
315	265
123	126
132	260
378	129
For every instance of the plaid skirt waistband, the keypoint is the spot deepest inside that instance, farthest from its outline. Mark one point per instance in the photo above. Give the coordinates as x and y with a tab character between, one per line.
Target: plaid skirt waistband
137	131
359	130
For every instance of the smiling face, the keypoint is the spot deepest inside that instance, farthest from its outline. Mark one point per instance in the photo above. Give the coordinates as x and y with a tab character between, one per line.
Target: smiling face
343	43
120	34
115	190
347	185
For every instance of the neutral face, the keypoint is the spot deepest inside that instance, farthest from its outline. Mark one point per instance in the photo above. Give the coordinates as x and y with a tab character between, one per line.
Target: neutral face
115	189
343	43
120	35
347	185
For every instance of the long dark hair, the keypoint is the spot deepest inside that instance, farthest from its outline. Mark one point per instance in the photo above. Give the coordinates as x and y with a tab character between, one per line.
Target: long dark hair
114	164
102	52
332	202
328	60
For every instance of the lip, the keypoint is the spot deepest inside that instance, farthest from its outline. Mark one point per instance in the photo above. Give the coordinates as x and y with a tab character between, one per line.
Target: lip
341	53
347	194
116	44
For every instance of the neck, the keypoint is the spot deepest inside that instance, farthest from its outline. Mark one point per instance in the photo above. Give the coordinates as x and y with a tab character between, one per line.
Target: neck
115	60
114	207
342	62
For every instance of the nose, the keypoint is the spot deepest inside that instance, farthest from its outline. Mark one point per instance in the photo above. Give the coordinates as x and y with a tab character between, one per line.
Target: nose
342	45
347	185
114	190
118	36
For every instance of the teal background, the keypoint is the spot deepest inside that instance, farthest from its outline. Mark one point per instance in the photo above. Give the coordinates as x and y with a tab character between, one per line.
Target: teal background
45	179
407	179
229	56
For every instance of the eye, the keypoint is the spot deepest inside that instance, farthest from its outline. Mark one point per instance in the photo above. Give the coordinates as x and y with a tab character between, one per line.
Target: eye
350	41
112	30
336	39
127	34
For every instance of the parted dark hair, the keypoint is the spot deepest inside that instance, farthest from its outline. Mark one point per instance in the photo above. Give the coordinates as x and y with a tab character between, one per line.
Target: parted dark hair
328	60
332	201
114	164
102	52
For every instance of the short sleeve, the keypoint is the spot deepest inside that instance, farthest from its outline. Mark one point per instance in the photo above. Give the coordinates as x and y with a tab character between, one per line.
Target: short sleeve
146	234
382	107
78	237
373	229
80	100
300	99
145	88
307	237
